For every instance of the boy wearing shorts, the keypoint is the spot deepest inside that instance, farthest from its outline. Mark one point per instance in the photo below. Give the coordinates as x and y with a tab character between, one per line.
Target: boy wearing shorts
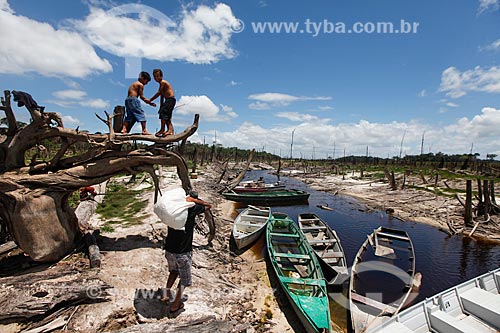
167	104
133	108
179	253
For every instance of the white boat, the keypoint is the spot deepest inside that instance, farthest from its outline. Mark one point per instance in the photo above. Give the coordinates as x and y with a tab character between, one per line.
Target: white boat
382	277
326	244
249	225
470	307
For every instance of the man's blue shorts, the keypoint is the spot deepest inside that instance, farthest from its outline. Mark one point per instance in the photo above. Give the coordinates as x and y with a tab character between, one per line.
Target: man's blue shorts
133	110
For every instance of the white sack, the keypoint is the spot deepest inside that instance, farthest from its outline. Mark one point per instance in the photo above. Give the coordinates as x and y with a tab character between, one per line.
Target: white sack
172	208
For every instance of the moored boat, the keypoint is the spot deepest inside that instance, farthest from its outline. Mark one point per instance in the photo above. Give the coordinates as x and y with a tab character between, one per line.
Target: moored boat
386	255
326	244
258	186
249	225
472	306
298	272
284	197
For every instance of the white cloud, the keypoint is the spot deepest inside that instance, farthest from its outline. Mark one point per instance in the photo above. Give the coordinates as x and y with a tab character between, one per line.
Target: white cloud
4	6
259	106
97	103
422	93
452	105
33	46
72	98
69	94
325	108
457	84
495	46
228	110
488	5
382	139
203	105
295	116
199	36
69	120
279	99
233	83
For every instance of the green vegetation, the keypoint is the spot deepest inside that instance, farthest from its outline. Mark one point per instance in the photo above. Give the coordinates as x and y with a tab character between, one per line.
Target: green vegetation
121	206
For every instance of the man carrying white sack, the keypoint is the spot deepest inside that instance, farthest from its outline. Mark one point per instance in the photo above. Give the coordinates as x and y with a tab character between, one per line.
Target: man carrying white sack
179	252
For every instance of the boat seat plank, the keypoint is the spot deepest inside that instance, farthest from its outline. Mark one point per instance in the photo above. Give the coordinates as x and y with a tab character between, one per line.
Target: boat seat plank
255	217
307	282
319	227
373	303
319	241
443	322
380	233
275	234
309	220
482	304
249	224
396	328
292	255
332	255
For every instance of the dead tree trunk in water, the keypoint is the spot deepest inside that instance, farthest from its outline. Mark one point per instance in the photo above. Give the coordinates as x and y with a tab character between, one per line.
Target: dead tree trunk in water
238	179
468	203
34	197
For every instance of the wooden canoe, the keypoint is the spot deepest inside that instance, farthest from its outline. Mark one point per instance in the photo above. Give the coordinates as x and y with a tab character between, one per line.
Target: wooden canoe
249	225
298	272
381	278
284	197
326	244
472	306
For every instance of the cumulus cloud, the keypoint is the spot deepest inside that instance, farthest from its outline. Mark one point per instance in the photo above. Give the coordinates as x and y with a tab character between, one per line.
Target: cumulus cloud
457	84
33	46
205	107
266	100
382	139
488	5
69	120
72	98
201	35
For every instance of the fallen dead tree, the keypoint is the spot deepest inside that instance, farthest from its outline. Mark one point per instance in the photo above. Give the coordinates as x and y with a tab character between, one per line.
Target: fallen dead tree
34	191
34	295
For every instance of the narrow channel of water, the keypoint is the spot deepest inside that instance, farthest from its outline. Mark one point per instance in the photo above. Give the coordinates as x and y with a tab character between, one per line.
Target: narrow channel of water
443	260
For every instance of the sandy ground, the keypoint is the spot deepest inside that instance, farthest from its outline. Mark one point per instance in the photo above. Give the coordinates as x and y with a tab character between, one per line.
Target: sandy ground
225	286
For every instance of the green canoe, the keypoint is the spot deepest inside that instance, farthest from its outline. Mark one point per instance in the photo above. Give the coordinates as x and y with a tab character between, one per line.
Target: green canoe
283	197
299	272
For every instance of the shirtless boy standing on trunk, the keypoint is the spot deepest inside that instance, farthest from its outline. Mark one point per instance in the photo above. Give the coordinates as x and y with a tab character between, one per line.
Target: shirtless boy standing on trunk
133	109
167	104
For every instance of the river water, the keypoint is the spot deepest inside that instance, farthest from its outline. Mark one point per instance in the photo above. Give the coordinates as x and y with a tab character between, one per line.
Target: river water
443	260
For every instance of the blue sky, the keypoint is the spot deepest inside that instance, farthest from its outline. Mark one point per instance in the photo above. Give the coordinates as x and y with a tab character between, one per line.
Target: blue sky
328	75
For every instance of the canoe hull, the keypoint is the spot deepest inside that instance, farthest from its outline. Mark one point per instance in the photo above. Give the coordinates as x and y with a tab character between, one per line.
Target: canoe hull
269	198
249	225
368	307
327	247
298	272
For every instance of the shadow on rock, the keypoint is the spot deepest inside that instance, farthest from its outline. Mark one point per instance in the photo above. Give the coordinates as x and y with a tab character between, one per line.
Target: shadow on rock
148	304
125	243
